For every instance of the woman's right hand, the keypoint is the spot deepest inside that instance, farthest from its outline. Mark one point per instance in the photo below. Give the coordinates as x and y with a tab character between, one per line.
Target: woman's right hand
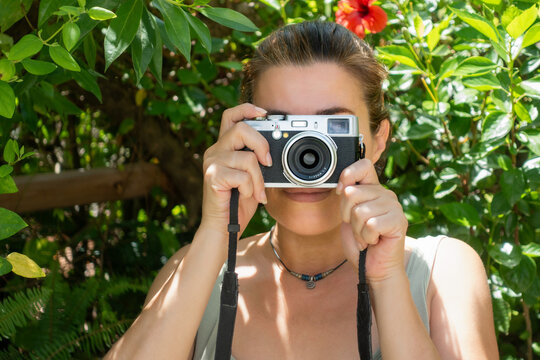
226	167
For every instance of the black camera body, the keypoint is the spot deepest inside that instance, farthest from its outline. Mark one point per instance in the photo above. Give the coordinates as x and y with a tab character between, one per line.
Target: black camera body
308	150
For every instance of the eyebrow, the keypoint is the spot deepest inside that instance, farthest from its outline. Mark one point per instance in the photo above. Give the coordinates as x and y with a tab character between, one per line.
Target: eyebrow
328	111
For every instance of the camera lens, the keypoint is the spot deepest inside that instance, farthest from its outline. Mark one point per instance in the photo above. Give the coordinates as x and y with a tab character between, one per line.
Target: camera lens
309	158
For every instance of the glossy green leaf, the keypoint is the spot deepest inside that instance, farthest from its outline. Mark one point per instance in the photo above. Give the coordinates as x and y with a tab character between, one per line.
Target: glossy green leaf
5	266
531	86
513	185
520	277
38	67
510	13
502	313
522	112
5	170
46	9
532	36
461	213
88	82
496	125
10	151
71	10
419	26
229	18
522	22
122	30
484	82
63	58
531	249
506	254
399	54
28	46
70	35
156	63
142	47
7	185
7	100
420	131
274	4
443	189
24	266
10	223
99	13
201	31
177	27
479	23
7	70
476	65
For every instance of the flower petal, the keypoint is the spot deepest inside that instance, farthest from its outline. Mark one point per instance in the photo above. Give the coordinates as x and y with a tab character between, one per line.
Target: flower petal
375	20
352	21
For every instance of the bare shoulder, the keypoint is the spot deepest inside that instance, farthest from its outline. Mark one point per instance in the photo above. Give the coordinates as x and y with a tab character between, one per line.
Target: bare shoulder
461	317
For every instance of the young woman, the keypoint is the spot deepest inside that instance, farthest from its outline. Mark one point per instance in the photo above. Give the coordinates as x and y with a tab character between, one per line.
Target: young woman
429	296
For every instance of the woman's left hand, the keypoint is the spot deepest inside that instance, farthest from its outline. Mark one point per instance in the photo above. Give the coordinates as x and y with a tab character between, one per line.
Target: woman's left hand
372	217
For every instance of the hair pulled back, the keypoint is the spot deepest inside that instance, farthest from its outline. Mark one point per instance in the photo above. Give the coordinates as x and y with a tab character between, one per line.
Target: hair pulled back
315	41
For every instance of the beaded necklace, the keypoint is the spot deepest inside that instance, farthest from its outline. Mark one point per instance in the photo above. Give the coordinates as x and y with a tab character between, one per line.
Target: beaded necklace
309	279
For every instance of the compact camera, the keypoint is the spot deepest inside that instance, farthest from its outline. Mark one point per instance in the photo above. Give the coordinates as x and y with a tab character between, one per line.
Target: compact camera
308	150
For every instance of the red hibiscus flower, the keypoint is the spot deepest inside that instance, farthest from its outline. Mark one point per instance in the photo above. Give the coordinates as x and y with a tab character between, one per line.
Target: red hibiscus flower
359	16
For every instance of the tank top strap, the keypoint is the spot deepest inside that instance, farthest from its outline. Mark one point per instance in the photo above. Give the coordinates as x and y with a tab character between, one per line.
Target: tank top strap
419	268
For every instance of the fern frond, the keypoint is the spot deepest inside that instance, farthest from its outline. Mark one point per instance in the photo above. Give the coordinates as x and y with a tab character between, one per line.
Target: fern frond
19	308
118	286
11	353
59	348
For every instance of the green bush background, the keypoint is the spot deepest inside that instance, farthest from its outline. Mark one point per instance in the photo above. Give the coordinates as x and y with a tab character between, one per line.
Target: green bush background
81	89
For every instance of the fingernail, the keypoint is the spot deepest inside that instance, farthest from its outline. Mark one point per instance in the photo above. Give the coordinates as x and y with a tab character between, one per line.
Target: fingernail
339	188
268	159
260	110
264	200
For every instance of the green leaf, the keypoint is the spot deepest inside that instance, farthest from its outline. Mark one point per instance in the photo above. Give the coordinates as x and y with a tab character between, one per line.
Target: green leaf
399	54
90	50
484	82
532	36
5	266
70	34
142	47
7	100
188	77
229	18
5	170
7	185
99	13
71	10
88	82
492	2
201	31
177	27
509	14
419	26
38	67
274	4
531	249
476	65
502	313
235	65
520	277
521	23
531	86
10	223
46	9
522	112
420	131
443	189
461	214
28	46
11	11
7	70
513	185
484	26
506	254
495	126
63	58
433	38
122	30
156	63
24	266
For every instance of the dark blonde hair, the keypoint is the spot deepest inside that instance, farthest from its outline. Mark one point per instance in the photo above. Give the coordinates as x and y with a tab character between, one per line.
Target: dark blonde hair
315	41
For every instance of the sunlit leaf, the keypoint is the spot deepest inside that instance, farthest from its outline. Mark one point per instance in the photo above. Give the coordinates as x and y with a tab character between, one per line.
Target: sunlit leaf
28	46
24	266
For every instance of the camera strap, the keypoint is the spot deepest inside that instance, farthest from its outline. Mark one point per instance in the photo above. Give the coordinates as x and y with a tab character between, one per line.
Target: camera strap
229	292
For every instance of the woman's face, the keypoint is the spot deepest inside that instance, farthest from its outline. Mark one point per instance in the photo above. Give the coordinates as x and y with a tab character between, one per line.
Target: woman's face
318	89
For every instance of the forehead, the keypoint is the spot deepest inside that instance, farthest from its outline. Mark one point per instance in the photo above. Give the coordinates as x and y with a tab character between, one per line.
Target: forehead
310	89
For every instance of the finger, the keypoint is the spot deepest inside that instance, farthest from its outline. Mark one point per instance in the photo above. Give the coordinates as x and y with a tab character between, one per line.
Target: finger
239	113
361	172
390	224
354	195
246	161
362	214
241	136
222	178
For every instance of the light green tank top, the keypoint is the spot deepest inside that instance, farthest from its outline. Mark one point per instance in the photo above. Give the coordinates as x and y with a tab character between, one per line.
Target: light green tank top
418	271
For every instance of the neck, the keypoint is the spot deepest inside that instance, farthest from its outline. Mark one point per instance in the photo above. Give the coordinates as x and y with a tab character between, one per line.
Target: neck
308	254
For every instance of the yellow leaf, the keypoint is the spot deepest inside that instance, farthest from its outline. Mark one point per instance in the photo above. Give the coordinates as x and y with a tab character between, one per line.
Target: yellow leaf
24	266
